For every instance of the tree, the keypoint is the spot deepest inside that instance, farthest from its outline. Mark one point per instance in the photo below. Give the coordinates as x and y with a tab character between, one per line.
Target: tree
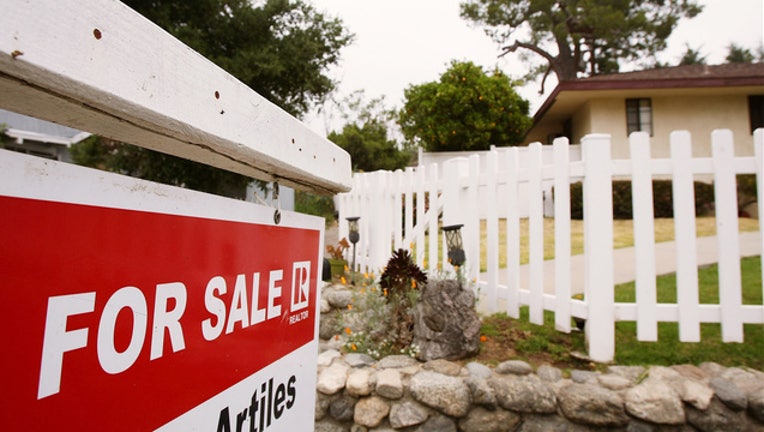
281	49
692	57
366	135
739	54
588	37
466	109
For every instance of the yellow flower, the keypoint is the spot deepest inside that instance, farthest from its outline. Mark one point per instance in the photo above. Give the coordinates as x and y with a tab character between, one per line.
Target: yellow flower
347	269
365	275
342	279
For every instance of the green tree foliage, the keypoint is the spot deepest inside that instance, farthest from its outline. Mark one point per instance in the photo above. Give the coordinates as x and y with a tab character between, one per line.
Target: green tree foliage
589	37
366	134
466	109
692	57
739	54
369	147
279	48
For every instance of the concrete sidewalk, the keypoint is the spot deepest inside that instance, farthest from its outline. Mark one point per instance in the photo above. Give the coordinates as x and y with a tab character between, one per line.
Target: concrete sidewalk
665	262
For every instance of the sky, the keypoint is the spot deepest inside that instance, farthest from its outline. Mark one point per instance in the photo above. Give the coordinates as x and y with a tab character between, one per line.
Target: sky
403	42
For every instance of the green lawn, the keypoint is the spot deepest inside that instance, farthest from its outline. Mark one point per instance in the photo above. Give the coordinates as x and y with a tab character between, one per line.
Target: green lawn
536	340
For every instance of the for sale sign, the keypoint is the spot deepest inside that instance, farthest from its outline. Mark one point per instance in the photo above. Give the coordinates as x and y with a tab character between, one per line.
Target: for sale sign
134	306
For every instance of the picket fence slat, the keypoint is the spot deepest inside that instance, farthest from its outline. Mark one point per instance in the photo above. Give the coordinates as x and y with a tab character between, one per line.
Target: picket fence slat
644	236
535	234
725	191
513	232
562	244
684	235
758	151
511	181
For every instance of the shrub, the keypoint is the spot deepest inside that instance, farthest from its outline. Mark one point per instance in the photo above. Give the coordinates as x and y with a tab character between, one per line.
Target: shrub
663	204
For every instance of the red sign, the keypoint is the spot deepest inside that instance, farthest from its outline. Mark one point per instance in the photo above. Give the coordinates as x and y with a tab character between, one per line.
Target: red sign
120	319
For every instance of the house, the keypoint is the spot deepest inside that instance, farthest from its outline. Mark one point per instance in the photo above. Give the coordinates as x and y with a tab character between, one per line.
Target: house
37	137
696	98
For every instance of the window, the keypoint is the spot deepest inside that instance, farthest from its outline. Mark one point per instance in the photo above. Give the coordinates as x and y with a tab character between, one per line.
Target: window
639	116
756	111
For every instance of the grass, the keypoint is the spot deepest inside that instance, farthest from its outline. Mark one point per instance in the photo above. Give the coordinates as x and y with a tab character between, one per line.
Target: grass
507	338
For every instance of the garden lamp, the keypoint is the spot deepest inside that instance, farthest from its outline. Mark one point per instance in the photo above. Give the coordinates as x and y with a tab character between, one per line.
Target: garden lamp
353	234
454	243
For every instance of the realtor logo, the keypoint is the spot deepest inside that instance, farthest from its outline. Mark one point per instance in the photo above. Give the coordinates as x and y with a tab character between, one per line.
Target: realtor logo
300	285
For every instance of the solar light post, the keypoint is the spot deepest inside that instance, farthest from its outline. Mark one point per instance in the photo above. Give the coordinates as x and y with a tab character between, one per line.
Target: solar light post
353	234
454	243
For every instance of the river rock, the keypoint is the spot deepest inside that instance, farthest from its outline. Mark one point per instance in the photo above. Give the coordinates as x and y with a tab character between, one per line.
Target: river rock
449	395
389	384
655	402
729	393
360	382
332	379
526	393
407	414
370	411
592	405
483	420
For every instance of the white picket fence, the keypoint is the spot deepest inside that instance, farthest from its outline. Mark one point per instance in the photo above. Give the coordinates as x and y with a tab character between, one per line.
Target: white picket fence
404	209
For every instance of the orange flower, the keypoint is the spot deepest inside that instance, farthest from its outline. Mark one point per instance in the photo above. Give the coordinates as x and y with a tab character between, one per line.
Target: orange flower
336	337
348	331
483	338
342	279
385	292
350	307
413	283
353	347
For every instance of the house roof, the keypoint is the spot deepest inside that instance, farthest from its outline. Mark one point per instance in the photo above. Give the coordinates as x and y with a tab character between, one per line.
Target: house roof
23	127
570	94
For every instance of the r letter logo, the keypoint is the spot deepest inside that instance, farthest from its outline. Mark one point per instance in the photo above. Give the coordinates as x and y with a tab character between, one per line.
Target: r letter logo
300	285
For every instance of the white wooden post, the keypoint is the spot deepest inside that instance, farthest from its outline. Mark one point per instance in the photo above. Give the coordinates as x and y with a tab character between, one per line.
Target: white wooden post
421	178
598	246
398	183
492	229
725	191
408	207
758	151
683	192
513	234
472	224
454	198
379	251
535	234
562	266
644	236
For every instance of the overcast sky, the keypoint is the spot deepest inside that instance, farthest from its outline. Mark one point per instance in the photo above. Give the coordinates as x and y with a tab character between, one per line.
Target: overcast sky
403	42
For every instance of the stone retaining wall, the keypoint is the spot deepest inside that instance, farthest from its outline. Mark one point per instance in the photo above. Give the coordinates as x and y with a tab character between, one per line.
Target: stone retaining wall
356	393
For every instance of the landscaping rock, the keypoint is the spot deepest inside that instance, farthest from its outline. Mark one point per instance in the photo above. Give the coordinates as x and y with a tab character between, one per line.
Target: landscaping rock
482	393
717	417
438	423
327	357
479	370
407	414
549	373
339	298
332	379
527	394
444	367
583	377
655	402
397	361
359	360
729	393
631	373
614	382
446	325
446	394
756	404
328	426
514	367
360	382
483	420
389	384
589	404
550	423
696	393
328	326
370	411
342	408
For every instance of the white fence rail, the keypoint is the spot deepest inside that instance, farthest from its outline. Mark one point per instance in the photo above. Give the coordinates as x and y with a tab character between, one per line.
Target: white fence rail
401	209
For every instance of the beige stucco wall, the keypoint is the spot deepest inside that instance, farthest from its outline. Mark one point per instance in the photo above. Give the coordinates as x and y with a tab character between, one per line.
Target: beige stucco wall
698	114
